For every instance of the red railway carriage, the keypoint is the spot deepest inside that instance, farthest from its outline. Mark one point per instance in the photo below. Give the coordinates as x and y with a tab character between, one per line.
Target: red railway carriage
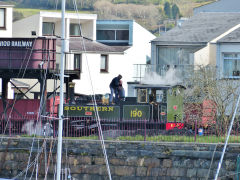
22	107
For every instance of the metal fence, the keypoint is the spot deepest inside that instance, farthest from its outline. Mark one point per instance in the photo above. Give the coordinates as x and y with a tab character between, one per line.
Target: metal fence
143	130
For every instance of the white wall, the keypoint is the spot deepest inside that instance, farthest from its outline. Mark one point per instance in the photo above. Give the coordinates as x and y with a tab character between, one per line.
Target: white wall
89	29
100	81
201	57
24	27
8	31
141	44
118	64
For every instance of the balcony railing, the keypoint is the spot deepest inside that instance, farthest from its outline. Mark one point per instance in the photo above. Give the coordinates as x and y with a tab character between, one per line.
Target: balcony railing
183	72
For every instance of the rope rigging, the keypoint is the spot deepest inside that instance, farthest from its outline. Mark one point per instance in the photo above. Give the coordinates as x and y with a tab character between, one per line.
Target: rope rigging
22	72
94	100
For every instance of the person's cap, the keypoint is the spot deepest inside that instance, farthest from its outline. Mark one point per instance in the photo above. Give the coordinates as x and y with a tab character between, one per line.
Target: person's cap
120	76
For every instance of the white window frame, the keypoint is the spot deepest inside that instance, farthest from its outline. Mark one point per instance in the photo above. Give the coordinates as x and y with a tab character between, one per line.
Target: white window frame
106	63
236	57
76	24
79	63
53	33
3	24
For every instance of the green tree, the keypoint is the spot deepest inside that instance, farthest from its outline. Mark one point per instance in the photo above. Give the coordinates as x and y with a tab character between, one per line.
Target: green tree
175	11
167	9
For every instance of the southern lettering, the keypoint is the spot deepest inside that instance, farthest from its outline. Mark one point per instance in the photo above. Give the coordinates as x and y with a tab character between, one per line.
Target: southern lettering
88	108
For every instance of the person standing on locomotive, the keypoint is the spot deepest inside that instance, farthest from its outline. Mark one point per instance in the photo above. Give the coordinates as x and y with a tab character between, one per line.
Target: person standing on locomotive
121	91
114	88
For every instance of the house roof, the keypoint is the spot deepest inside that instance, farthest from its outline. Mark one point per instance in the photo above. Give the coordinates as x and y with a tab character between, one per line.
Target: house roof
80	44
201	28
219	6
233	37
5	4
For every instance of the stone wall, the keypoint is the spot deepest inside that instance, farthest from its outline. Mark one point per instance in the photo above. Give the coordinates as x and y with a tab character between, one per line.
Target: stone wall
128	160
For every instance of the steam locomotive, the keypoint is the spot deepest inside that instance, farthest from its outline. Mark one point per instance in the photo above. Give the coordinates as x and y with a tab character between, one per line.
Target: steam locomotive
154	107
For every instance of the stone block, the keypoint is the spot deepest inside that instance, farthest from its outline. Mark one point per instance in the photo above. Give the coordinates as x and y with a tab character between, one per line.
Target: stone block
153	172
202	173
132	161
141	171
22	156
191	173
73	161
9	156
87	177
230	165
117	161
93	169
188	163
98	161
153	162
124	171
129	178
84	159
162	172
167	163
176	172
9	165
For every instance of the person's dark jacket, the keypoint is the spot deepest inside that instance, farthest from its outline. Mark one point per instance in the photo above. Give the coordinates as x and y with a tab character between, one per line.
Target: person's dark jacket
115	83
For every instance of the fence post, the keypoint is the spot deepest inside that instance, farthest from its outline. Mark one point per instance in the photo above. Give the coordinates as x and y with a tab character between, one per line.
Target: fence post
195	136
9	126
145	127
238	168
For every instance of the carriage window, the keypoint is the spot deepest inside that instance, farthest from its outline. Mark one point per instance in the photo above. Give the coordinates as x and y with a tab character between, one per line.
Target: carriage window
142	96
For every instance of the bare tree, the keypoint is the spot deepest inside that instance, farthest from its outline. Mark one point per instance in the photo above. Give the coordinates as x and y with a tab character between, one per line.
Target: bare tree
221	95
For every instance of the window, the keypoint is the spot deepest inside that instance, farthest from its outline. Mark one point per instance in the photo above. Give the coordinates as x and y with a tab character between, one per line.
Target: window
176	55
122	35
48	28
105	34
142	96
231	64
77	62
104	63
115	35
2	18
75	30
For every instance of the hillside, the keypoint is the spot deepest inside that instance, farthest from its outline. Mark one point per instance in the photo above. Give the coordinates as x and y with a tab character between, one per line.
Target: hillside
152	14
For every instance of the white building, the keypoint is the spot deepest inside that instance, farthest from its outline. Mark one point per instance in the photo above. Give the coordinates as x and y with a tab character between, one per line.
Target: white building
91	61
6	16
6	11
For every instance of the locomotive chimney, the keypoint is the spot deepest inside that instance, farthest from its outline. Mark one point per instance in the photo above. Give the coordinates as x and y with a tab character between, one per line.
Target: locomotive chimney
71	93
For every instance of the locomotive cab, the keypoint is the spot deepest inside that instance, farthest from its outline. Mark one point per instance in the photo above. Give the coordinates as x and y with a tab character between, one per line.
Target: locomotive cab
166	102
